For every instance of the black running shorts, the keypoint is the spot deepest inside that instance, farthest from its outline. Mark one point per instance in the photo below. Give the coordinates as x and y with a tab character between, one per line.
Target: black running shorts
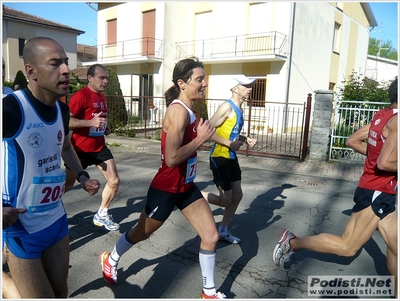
160	204
225	171
88	159
381	203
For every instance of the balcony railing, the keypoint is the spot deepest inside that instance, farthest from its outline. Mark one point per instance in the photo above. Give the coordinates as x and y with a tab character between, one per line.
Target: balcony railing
270	43
125	50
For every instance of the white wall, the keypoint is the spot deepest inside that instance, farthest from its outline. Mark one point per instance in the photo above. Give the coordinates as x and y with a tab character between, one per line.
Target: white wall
381	69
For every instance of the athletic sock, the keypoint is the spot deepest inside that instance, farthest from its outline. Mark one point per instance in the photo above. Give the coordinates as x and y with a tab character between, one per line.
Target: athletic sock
222	229
102	211
207	265
123	244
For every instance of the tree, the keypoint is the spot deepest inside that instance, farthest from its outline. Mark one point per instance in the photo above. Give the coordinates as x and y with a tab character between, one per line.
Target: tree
357	88
20	80
383	49
75	84
117	113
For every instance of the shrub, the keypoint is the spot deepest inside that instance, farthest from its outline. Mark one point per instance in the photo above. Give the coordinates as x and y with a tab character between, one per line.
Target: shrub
117	113
357	88
20	80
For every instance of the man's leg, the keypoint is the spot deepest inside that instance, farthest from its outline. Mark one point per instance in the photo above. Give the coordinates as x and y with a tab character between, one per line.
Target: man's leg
358	231
109	171
236	196
44	277
102	217
388	227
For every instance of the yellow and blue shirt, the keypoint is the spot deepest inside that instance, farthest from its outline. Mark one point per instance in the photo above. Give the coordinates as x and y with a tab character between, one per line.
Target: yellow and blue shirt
230	130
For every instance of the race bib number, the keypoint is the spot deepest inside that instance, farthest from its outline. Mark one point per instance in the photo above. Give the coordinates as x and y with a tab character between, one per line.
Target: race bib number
47	193
95	132
191	169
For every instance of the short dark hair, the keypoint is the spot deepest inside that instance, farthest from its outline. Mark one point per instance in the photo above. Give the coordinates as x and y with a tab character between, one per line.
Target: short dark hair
92	69
393	91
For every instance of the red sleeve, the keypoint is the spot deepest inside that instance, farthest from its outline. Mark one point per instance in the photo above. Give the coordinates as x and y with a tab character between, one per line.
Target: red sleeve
77	104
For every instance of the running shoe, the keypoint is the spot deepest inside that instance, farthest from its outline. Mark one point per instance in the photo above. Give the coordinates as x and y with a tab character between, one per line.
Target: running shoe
215	296
283	252
229	237
105	221
109	271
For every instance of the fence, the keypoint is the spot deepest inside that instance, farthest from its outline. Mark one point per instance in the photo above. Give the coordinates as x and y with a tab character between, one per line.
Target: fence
349	116
281	129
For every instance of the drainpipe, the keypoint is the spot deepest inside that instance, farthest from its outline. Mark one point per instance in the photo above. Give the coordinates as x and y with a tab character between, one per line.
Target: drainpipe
289	62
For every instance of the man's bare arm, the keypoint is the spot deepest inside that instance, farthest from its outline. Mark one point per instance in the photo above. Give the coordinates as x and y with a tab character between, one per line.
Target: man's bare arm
387	159
357	141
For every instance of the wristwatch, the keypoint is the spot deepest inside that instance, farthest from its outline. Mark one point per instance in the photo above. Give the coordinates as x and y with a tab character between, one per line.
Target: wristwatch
82	173
243	139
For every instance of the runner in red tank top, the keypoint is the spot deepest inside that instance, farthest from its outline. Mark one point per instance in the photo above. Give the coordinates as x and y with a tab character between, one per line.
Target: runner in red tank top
375	196
173	184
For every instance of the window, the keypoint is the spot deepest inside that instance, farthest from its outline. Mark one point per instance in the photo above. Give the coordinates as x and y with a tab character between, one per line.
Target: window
336	38
258	92
21	44
148	32
332	86
112	32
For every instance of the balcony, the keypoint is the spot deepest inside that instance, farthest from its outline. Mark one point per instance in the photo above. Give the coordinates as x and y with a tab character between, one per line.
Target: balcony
270	46
143	50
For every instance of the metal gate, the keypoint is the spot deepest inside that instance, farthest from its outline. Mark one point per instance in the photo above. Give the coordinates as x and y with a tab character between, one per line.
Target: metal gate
349	116
281	129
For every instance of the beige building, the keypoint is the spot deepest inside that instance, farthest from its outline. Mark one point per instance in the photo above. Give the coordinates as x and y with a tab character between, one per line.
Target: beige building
292	48
18	27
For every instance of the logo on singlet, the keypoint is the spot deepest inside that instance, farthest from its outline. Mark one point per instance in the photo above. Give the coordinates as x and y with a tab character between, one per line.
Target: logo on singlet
59	136
34	125
35	140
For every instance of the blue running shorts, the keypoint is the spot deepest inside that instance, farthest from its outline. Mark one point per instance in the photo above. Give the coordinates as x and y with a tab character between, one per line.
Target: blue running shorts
30	246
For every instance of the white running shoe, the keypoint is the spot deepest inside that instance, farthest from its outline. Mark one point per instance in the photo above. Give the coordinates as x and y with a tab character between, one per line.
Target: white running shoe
105	221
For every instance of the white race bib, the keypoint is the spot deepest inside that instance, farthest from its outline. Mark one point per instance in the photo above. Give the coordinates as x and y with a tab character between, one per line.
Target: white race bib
47	193
191	169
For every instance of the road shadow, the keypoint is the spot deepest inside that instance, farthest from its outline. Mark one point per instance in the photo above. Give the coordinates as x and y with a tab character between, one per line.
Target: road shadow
257	217
82	230
166	269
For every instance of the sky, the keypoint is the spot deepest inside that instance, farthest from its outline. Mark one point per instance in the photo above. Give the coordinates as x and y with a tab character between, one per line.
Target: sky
386	15
81	16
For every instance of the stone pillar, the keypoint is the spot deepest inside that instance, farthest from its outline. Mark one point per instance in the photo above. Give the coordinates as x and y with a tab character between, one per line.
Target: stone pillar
321	125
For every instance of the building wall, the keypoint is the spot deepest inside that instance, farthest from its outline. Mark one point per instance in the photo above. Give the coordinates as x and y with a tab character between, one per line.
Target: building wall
12	31
312	66
381	69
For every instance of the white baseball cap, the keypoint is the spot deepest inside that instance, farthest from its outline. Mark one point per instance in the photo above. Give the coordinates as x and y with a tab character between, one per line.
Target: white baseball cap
239	80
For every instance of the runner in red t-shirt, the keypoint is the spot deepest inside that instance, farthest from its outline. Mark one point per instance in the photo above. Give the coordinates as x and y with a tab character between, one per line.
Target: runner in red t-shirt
88	109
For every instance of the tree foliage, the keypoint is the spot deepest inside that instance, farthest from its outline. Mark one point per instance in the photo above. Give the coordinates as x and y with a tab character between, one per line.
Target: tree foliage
20	80
382	49
75	84
117	113
359	88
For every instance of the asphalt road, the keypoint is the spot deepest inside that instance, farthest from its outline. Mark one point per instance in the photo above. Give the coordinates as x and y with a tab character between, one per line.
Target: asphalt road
166	265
